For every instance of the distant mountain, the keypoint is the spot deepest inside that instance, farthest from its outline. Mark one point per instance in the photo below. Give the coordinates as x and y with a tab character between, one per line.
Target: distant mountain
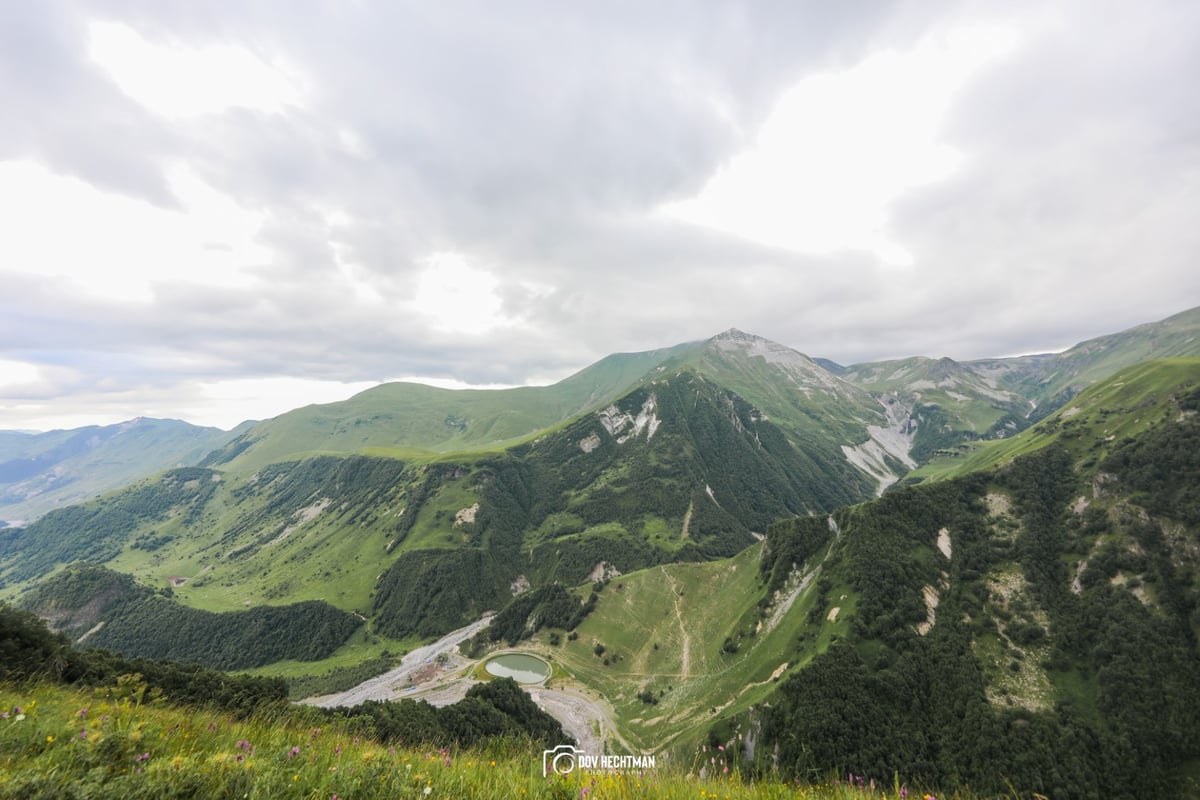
949	402
406	419
420	508
692	460
42	471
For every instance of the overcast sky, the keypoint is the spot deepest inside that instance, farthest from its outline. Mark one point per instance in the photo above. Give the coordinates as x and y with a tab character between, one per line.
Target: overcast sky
220	211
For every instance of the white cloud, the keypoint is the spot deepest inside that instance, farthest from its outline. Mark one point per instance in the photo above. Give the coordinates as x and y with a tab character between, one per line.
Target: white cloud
117	247
457	297
16	375
183	81
839	147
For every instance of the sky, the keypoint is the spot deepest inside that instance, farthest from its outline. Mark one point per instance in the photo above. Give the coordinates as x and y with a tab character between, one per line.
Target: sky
222	211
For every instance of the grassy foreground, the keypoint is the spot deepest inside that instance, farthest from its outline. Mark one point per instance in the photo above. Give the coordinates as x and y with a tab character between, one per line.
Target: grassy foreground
120	743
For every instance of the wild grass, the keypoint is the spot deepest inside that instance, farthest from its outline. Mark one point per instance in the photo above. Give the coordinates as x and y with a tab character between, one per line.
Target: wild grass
120	743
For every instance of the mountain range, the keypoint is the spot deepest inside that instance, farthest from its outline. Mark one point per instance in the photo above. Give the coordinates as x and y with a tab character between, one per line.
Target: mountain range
983	551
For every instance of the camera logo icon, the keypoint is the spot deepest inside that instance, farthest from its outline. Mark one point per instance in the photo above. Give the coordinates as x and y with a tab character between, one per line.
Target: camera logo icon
560	760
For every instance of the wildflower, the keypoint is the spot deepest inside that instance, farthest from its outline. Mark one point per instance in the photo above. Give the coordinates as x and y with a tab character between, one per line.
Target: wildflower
721	747
82	713
428	790
296	777
903	793
142	757
3	715
245	746
83	733
49	739
295	751
18	718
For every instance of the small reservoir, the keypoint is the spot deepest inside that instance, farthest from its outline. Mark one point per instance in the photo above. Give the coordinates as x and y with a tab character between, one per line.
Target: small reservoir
521	667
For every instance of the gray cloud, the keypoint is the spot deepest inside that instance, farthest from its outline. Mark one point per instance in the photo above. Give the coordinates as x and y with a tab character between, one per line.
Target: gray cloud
539	140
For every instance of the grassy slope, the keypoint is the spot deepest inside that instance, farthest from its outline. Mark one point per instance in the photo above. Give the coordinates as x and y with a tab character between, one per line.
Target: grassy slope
141	749
1092	421
993	398
1096	359
663	628
410	418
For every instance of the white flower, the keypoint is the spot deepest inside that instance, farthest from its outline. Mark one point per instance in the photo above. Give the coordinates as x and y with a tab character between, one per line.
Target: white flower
428	789
19	718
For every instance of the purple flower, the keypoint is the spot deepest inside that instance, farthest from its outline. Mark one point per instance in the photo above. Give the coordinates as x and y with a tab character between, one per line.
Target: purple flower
142	757
245	746
295	751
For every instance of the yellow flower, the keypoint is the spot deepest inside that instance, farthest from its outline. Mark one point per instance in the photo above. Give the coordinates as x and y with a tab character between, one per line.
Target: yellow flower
49	739
295	777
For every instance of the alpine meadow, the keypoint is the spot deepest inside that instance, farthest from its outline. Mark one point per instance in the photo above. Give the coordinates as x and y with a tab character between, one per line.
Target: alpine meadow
777	575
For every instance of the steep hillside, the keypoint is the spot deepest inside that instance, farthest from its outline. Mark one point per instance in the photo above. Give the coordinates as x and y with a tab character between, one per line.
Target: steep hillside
43	471
96	607
680	469
1035	623
949	402
818	410
405	418
828	417
1130	402
943	402
1046	379
1028	627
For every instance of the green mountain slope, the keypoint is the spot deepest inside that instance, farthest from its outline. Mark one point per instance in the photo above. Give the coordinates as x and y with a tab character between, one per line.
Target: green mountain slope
400	418
1130	402
1045	378
1029	627
43	471
1033	623
948	402
96	607
679	469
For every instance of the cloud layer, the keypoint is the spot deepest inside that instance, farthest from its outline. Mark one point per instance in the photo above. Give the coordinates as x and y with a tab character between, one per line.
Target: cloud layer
322	196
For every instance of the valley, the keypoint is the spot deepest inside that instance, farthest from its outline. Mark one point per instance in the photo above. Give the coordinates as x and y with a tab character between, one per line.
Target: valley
723	543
